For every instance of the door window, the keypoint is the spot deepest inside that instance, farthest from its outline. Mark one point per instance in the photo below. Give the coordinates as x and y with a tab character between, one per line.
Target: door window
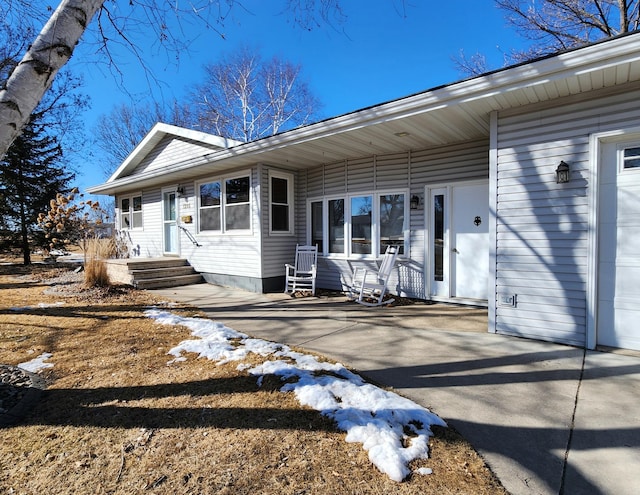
438	237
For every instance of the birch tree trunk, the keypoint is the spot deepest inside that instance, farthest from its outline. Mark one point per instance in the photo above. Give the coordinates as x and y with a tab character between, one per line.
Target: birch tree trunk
34	74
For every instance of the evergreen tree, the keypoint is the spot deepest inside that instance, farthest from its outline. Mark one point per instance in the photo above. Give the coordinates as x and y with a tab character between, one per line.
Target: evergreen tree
31	174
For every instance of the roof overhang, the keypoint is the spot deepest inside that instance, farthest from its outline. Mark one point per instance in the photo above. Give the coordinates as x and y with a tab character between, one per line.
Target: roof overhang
447	114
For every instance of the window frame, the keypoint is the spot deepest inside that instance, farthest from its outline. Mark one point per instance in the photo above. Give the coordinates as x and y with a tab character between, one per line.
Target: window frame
199	206
222	180
623	160
348	227
289	177
131	213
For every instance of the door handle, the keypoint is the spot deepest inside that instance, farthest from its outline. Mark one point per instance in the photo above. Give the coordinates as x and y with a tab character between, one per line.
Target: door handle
454	250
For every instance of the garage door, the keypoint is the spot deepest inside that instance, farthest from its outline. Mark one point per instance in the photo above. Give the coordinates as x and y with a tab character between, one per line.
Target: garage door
619	247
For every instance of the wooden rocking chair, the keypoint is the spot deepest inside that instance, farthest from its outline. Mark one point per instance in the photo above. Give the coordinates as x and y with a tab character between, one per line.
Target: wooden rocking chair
302	275
369	287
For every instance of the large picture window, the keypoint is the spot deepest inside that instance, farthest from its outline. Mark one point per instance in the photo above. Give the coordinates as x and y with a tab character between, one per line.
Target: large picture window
131	212
362	225
281	203
224	205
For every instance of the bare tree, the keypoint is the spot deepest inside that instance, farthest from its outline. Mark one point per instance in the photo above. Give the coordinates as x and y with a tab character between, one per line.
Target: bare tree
556	25
34	74
55	44
245	98
474	65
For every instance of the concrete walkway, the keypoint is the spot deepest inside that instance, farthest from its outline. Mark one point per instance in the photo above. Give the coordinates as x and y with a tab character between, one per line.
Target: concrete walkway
525	405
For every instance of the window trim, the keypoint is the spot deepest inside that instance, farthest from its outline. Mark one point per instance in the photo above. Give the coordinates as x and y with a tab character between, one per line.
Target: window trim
222	179
375	223
130	214
278	174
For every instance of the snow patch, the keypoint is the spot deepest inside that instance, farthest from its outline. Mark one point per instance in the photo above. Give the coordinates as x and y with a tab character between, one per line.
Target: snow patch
37	364
392	429
39	306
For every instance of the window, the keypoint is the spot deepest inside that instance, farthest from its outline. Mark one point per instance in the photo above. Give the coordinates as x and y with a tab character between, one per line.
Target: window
224	205
631	158
131	212
136	214
281	203
360	225
237	212
438	237
336	226
391	221
317	229
210	206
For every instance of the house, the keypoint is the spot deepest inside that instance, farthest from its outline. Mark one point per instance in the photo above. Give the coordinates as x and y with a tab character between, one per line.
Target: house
518	189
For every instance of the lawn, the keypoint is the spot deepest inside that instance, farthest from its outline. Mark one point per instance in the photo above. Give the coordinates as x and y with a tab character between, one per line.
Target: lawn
117	418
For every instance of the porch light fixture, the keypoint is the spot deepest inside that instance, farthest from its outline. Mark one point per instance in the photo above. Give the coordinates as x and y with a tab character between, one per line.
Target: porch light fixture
414	203
562	173
402	134
180	191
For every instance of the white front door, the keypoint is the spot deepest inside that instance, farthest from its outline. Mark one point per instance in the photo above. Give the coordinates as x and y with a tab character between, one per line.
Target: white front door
619	247
459	241
170	222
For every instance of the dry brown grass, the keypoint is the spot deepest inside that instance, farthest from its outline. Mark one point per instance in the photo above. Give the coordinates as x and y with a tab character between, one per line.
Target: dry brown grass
95	251
117	419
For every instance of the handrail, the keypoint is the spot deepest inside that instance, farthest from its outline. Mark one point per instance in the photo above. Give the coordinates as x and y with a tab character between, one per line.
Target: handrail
190	236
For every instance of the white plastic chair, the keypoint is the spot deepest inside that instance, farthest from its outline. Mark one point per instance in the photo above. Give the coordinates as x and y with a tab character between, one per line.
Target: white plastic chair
302	275
369	287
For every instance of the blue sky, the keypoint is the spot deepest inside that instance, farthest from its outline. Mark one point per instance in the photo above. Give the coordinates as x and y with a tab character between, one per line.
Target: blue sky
385	49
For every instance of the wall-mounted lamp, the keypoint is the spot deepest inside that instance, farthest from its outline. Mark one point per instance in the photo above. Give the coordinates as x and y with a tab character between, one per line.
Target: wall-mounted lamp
562	173
180	190
414	203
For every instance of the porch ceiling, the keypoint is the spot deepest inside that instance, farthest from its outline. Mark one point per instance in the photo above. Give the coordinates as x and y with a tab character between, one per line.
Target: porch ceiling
449	114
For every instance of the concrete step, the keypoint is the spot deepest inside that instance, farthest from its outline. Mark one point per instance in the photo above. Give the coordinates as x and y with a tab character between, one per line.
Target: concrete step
163	282
152	273
153	263
173	271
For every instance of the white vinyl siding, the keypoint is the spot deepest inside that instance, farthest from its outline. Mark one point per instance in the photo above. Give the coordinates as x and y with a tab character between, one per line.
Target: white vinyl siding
145	242
172	150
542	232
